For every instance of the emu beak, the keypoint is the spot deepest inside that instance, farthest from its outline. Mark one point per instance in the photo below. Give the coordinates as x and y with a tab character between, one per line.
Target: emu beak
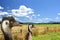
16	24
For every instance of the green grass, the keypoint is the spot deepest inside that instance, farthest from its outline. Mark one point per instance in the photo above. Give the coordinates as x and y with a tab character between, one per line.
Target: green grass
49	36
47	25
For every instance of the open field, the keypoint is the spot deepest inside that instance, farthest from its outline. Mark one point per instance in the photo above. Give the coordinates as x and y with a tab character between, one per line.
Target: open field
48	36
47	25
54	35
40	32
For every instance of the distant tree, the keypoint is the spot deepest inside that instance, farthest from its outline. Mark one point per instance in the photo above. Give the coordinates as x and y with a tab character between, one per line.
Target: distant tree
0	22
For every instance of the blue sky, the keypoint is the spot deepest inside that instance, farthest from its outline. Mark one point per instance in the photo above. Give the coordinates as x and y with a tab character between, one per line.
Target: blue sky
37	11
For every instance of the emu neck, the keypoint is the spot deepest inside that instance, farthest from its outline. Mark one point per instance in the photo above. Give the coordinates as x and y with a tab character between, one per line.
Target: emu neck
6	31
28	36
5	27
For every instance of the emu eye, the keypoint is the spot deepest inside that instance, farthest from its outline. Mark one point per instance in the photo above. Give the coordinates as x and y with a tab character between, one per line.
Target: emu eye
6	23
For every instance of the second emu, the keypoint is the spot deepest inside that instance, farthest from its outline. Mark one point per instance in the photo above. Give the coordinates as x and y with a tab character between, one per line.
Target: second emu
29	33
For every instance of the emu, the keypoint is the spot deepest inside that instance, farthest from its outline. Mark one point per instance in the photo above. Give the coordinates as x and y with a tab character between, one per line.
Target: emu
6	28
29	33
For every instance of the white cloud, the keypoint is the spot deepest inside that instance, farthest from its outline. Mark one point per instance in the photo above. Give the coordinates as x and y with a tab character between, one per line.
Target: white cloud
38	15
39	21
27	16
0	19
33	15
3	13
45	20
1	7
57	18
22	11
9	15
58	13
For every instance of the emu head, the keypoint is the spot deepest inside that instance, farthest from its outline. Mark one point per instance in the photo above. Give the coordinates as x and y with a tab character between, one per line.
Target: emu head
7	22
29	33
30	26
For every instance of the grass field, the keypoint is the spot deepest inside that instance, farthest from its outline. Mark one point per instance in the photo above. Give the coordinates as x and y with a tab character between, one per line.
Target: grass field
48	36
40	28
47	25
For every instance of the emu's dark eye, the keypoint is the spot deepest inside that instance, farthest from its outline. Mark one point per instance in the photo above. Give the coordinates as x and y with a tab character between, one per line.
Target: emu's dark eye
6	23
